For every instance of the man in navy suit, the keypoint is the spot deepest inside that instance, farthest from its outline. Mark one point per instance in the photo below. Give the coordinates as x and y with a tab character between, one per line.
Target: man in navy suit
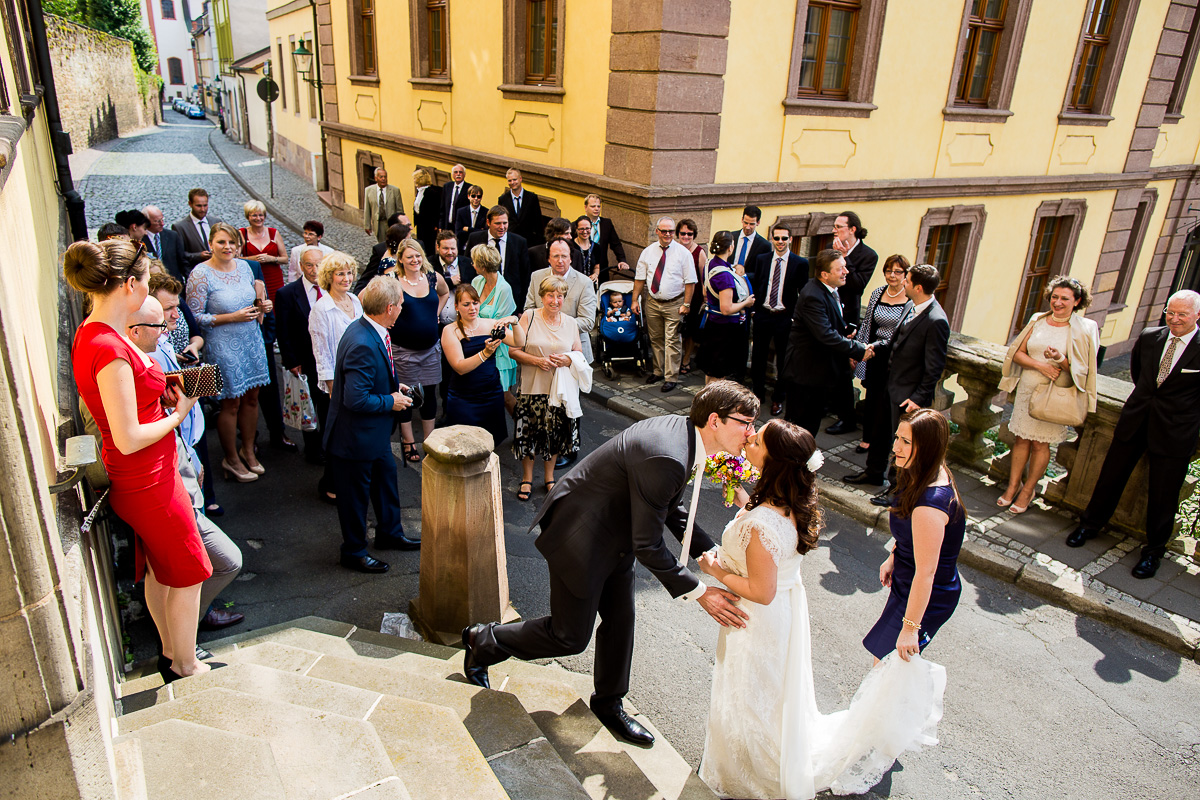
454	196
1161	419
778	276
819	351
524	210
514	250
358	439
749	244
165	245
293	302
470	219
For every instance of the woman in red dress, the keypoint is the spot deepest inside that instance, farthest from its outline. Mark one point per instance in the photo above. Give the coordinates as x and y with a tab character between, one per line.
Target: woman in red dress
125	390
264	245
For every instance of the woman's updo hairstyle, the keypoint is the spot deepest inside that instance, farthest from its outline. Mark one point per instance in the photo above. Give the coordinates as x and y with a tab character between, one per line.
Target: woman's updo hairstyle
99	268
722	242
127	219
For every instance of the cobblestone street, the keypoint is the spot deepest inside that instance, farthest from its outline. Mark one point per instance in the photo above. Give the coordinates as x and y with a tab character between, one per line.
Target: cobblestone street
1041	702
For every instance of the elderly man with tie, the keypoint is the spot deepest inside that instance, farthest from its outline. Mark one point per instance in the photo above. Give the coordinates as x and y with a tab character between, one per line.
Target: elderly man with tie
667	269
165	244
380	202
1161	419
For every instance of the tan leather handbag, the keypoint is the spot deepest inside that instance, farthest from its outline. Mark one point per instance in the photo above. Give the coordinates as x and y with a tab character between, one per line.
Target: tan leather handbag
1059	402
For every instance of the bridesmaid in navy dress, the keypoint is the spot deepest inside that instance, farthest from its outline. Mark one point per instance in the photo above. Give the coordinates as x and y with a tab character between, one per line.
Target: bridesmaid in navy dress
928	523
475	396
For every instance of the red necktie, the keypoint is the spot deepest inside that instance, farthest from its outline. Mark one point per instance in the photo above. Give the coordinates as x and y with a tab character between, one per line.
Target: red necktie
318	288
658	272
387	345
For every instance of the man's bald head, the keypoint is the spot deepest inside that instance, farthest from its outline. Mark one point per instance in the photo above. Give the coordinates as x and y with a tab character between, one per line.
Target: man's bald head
150	314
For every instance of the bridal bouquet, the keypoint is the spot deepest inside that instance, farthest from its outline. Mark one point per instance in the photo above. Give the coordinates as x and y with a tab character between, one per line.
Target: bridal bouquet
731	472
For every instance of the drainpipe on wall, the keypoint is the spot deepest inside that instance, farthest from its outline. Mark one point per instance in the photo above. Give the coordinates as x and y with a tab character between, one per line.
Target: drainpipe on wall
320	93
60	140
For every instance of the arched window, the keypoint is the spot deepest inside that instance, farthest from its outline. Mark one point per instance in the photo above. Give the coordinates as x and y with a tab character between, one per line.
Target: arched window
175	71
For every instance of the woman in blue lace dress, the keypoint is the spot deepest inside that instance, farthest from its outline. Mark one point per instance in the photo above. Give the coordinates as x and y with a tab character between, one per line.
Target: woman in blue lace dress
222	293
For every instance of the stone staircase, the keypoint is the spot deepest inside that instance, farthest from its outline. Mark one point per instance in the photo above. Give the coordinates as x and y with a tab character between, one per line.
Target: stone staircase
321	710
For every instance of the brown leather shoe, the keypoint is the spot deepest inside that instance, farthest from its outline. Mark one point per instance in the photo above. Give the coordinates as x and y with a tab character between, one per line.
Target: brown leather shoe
218	618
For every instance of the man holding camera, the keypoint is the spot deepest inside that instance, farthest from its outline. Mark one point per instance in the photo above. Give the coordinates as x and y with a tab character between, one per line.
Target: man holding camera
358	438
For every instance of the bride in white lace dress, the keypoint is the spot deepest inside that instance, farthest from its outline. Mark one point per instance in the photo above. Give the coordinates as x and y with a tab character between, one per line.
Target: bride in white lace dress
766	738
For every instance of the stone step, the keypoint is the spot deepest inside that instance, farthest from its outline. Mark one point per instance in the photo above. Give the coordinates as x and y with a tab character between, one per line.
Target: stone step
525	764
182	760
130	782
320	755
430	750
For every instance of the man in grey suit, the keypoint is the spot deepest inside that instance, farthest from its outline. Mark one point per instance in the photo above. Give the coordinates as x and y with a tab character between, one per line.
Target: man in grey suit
195	227
380	202
580	302
603	516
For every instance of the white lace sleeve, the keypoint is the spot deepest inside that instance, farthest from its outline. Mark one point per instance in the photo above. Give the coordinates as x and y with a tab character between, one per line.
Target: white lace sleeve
767	537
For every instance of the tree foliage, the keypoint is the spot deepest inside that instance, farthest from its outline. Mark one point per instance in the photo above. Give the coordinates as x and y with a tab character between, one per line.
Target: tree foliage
121	18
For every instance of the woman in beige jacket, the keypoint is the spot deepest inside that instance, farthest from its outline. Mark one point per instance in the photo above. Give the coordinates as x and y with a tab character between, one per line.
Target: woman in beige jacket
1059	341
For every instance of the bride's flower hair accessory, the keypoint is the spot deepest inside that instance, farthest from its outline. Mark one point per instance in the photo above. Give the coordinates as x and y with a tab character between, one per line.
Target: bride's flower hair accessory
815	461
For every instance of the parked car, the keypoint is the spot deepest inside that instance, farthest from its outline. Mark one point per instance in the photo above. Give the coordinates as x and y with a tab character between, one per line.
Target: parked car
195	112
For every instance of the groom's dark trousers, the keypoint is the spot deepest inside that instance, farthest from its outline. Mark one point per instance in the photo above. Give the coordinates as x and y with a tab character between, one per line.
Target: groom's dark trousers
607	512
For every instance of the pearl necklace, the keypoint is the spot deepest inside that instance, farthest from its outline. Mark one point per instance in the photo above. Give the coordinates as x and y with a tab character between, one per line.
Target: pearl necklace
546	321
404	277
1060	320
888	292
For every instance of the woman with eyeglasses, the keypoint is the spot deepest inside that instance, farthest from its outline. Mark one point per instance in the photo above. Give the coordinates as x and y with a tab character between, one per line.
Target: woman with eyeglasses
686	232
124	389
885	310
229	304
1057	346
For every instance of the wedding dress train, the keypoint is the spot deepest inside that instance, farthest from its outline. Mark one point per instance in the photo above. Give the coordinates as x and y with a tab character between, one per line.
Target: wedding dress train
766	738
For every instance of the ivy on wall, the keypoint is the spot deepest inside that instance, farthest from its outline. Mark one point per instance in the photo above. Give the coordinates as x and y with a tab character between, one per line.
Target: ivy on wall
121	18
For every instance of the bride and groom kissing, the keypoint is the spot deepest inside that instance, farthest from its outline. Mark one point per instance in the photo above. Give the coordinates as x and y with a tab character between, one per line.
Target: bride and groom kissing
765	737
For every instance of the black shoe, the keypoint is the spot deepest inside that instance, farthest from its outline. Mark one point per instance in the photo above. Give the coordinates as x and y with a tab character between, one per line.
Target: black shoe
623	726
475	674
284	443
1146	567
839	428
864	478
858	448
1081	535
400	542
883	499
669	386
213	510
653	379
364	564
218	618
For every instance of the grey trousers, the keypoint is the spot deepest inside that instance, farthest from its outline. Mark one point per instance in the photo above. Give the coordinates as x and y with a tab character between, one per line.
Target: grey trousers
225	556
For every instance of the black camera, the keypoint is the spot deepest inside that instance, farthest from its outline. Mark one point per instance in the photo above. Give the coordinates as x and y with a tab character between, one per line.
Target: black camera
499	331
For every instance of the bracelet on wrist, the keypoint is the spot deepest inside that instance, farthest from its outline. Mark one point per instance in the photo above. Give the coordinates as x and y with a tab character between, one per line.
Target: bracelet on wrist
908	623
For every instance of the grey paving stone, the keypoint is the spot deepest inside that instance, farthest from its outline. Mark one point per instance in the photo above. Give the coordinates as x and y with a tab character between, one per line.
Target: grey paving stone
1172	599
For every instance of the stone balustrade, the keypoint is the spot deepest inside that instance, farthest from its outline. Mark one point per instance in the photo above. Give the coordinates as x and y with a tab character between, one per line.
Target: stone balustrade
976	407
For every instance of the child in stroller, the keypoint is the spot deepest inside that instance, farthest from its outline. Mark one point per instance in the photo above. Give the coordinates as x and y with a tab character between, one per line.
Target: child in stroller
621	331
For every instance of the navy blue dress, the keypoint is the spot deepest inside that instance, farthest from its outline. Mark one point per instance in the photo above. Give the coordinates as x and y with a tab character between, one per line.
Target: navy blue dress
476	398
943	599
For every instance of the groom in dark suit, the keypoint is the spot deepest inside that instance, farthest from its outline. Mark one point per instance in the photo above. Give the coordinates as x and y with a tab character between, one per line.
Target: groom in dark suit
819	349
605	514
358	439
1161	418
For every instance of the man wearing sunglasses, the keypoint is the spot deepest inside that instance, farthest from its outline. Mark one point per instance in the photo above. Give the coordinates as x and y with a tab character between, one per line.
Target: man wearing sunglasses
778	276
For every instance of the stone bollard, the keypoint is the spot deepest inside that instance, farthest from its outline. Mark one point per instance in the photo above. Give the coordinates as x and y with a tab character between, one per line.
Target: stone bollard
464	570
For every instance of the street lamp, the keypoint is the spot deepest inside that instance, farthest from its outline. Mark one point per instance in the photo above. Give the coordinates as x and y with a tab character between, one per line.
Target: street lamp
304	60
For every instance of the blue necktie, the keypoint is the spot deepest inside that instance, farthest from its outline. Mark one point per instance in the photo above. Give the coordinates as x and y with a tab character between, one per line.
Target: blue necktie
742	254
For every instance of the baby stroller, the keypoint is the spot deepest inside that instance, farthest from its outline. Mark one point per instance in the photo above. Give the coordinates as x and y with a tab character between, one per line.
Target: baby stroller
621	340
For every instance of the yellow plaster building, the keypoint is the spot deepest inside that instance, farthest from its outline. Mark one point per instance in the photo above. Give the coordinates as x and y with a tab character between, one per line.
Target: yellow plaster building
1005	141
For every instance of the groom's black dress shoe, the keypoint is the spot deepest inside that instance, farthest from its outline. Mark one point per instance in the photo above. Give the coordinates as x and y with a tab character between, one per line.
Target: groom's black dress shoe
623	725
364	564
475	674
865	478
884	498
400	542
1146	567
1081	535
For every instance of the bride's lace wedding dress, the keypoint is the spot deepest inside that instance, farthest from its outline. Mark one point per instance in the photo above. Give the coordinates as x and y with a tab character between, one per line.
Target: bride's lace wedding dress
766	738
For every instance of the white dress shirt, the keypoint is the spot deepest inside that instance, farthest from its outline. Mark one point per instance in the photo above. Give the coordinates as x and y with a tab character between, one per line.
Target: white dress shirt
1185	340
778	266
314	293
454	192
202	231
384	336
737	251
680	270
500	244
915	311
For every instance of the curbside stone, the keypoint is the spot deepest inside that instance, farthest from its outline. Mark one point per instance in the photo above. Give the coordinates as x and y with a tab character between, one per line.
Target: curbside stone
986	560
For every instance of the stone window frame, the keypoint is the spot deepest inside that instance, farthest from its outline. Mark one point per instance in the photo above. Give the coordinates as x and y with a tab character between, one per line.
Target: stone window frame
1004	68
1124	17
418	34
1183	72
167	9
295	74
974	217
22	67
281	77
177	63
515	49
864	66
362	159
1133	249
1072	211
360	75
